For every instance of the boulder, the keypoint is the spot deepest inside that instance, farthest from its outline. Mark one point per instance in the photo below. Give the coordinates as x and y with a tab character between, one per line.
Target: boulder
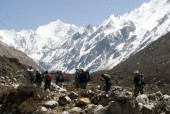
65	112
75	110
164	105
50	104
44	109
152	97
54	87
148	109
63	100
98	108
82	101
142	99
62	90
73	95
158	94
117	107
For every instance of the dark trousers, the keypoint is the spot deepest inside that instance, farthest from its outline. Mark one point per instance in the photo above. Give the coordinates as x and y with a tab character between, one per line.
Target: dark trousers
47	84
107	89
137	90
83	85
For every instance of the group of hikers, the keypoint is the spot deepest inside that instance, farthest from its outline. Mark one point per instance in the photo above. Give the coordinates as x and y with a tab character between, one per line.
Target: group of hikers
37	77
139	83
81	80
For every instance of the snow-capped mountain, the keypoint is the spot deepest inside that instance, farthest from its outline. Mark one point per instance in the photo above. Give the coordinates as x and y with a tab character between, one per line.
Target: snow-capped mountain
63	46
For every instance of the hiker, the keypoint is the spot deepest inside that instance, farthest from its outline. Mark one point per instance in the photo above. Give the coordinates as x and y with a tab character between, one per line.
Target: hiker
59	78
88	75
31	73
83	79
48	78
39	78
139	82
77	77
106	83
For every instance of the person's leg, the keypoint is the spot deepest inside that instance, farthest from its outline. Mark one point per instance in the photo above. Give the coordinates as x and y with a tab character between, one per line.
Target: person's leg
59	84
46	86
49	85
136	91
141	90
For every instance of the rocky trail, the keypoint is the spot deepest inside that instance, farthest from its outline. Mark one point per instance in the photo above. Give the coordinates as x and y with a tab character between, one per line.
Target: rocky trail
30	99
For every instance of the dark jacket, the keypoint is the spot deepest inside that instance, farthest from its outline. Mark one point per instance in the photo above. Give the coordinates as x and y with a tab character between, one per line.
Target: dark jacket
83	77
139	80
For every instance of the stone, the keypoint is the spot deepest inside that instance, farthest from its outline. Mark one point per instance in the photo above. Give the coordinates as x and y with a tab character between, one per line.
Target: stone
75	109
116	107
73	95
50	104
65	112
62	90
89	106
14	79
164	105
142	99
54	87
98	108
44	109
63	100
148	109
152	97
82	101
158	94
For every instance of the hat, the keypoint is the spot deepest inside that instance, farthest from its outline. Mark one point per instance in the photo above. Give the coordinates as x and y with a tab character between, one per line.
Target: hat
136	72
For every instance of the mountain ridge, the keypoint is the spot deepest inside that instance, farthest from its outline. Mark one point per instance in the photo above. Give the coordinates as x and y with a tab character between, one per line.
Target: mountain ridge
11	53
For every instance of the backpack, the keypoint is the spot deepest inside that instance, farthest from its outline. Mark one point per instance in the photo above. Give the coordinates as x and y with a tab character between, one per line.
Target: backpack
49	76
139	80
77	75
87	75
107	79
60	78
38	75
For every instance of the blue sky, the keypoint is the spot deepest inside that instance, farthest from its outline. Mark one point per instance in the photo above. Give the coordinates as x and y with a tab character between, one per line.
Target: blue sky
29	14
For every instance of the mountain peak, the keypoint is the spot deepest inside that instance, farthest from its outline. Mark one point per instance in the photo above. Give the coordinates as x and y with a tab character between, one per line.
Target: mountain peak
55	27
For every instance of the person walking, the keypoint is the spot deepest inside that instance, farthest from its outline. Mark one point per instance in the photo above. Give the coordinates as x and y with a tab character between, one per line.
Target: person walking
83	79
48	78
77	78
139	82
59	78
31	73
39	78
88	75
106	83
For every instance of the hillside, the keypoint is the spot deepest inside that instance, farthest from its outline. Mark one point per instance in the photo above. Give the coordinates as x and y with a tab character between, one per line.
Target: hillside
153	61
10	52
13	66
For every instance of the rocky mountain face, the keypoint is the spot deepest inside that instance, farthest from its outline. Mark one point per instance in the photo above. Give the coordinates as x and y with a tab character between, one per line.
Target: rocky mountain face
9	52
12	72
63	46
153	61
13	66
